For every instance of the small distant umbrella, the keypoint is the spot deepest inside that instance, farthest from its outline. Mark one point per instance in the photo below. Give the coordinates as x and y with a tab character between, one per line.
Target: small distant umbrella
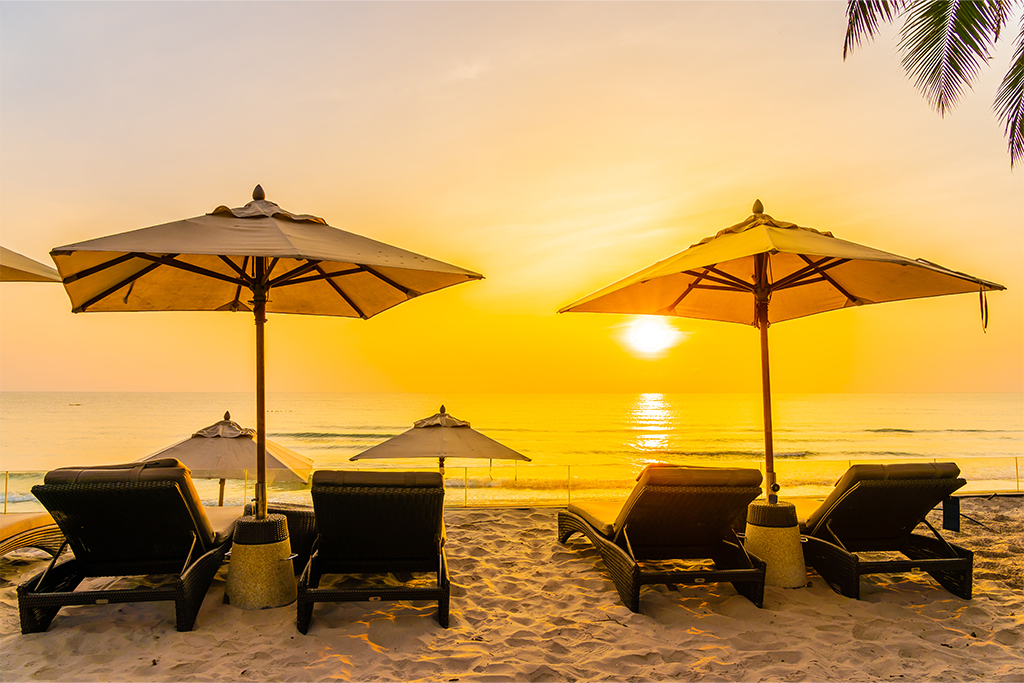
17	268
764	271
225	450
441	436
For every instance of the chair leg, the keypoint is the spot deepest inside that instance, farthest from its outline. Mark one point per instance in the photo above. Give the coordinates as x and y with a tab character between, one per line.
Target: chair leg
959	582
310	579
732	556
443	604
568	524
837	566
36	608
194	584
625	573
445	584
304	617
623	568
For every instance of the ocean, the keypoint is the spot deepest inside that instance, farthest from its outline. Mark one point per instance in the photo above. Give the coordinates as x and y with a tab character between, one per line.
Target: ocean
579	444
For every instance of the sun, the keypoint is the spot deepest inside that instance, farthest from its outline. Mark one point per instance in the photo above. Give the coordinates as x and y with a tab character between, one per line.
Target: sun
652	335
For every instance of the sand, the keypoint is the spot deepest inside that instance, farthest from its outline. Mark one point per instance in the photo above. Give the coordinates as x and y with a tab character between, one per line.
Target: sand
526	608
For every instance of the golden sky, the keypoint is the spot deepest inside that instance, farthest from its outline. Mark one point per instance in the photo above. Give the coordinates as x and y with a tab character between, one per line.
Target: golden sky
553	147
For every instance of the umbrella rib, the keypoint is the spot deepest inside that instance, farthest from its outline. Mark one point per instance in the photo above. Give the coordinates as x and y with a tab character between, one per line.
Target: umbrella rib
852	299
726	285
172	262
792	279
725	279
270	269
801	283
314	278
97	268
241	272
731	279
689	288
719	288
342	294
235	267
103	295
288	278
384	278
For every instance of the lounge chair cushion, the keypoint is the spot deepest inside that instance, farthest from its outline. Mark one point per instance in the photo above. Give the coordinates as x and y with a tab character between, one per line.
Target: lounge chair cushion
166	469
600	514
676	475
14	523
608	517
857	473
679	475
223	519
384	479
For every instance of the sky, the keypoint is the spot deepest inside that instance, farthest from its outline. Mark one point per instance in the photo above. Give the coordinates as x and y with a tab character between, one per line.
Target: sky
553	147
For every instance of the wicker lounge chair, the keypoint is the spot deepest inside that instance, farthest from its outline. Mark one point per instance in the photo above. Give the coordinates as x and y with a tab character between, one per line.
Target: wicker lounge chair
138	519
876	508
373	523
29	530
673	513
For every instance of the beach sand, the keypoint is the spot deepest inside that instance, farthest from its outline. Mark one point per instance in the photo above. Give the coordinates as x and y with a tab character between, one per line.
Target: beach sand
526	608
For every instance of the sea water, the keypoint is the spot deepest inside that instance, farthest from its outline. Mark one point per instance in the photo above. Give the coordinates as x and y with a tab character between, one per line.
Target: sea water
578	444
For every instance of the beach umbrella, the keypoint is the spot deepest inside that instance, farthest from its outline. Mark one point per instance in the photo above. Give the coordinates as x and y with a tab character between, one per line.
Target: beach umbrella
257	258
441	436
764	271
226	450
17	268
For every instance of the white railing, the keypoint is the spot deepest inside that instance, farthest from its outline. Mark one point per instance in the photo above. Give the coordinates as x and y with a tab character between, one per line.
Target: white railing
534	485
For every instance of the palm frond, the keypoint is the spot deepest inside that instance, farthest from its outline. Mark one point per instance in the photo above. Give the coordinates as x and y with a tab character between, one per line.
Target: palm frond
864	17
1004	7
944	43
1010	101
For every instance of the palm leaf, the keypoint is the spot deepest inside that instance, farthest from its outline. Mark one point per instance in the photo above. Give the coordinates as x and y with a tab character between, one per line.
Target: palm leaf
1010	101
944	43
864	17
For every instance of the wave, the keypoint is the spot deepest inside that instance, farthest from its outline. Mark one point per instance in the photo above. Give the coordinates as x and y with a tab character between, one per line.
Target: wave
896	430
758	453
334	435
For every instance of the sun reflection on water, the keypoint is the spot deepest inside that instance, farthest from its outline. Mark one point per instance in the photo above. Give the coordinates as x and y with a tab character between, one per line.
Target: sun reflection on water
650	418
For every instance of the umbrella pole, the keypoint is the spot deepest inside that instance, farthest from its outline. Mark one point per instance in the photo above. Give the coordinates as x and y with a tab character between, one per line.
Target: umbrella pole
220	503
766	398
762	295
259	310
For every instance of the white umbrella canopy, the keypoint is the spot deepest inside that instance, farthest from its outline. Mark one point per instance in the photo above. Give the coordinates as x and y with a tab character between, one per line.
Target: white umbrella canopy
763	271
210	263
441	436
17	268
806	272
257	258
225	450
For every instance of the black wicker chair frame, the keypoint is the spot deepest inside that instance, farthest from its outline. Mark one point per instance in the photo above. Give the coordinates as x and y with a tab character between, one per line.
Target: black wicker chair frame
376	529
881	516
119	529
675	523
46	537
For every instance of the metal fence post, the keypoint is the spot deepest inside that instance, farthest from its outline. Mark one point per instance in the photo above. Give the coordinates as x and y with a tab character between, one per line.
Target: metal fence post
568	484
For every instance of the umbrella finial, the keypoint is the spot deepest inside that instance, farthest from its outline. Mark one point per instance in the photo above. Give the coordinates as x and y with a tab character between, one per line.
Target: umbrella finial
258	194
442	409
758	206
227	415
